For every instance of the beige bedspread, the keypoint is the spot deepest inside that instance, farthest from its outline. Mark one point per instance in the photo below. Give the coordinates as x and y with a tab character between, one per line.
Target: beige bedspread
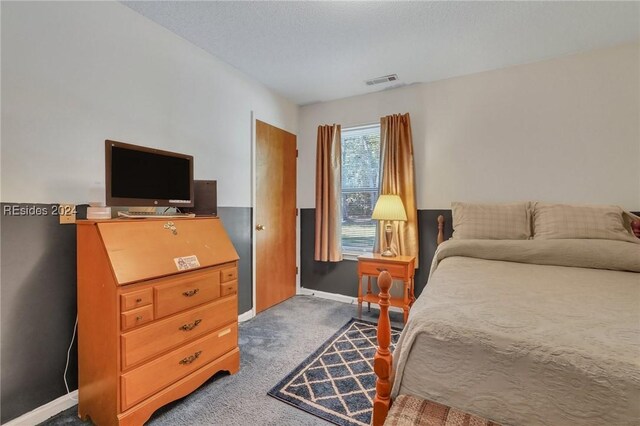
528	332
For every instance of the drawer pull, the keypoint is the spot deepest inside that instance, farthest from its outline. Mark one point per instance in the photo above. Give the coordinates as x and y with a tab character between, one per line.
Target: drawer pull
138	300
190	293
230	275
188	360
224	333
189	327
170	226
139	318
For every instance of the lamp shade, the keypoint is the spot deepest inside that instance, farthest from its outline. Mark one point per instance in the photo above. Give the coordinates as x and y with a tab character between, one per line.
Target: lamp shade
389	207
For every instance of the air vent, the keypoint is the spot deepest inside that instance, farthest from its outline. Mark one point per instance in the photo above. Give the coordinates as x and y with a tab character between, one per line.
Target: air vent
383	79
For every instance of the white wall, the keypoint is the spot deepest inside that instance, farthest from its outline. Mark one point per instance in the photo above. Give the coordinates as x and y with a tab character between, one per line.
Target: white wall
77	73
563	130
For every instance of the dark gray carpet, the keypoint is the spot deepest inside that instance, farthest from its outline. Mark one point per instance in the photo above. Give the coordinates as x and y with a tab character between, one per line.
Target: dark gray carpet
271	345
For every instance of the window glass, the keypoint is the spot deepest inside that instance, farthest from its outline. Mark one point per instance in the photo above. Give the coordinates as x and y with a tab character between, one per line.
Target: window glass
360	187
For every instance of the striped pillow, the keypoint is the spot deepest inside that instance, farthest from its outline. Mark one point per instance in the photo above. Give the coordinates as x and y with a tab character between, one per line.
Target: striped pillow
555	221
491	221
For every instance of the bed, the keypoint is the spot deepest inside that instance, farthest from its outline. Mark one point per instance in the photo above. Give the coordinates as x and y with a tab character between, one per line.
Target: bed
522	332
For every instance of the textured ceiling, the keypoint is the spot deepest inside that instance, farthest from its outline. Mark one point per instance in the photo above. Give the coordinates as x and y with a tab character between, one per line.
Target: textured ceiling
319	51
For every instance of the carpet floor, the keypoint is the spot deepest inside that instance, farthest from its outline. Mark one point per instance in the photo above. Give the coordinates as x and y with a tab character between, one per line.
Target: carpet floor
337	382
271	345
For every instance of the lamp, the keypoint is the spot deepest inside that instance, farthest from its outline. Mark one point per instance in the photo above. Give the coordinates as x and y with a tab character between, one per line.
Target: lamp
389	207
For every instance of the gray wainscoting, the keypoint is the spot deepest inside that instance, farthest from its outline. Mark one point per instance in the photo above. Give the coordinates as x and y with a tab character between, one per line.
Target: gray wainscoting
38	301
237	222
38	273
342	277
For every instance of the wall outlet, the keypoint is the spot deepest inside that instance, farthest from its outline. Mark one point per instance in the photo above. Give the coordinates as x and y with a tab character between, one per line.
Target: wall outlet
67	214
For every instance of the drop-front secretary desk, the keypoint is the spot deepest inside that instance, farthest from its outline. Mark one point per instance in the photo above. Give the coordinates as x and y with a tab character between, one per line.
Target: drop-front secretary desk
157	313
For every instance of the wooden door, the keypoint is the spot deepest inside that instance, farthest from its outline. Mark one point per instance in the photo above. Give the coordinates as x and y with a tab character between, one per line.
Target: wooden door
275	211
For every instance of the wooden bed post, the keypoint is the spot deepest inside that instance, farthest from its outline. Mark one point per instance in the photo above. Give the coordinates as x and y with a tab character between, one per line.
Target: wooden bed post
383	360
440	229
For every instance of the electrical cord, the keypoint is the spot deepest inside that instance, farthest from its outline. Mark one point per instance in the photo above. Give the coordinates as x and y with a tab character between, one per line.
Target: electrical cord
66	367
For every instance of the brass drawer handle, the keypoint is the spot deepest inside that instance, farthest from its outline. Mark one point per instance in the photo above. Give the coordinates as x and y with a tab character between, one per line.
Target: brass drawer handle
189	327
170	226
188	360
190	293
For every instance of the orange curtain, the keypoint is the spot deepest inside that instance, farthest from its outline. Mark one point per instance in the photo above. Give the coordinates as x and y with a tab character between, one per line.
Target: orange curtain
397	177
328	194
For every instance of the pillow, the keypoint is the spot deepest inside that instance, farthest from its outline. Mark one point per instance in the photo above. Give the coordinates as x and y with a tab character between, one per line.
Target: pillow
491	221
554	221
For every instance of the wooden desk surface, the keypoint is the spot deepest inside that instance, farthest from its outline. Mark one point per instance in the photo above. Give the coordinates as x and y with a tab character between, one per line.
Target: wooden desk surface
377	257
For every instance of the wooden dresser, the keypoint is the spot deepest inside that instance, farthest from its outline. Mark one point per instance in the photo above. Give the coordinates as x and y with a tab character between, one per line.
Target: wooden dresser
157	313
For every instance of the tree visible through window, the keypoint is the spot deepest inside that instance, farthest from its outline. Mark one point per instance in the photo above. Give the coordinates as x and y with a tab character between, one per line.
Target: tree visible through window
360	186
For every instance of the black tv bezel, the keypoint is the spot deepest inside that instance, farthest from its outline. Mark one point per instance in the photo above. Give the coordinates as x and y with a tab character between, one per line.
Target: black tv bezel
143	202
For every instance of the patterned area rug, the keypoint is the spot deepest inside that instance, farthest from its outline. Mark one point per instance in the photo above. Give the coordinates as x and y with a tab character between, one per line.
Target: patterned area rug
337	382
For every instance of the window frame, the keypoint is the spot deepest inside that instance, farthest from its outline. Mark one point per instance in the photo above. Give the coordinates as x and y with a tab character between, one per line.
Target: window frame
351	253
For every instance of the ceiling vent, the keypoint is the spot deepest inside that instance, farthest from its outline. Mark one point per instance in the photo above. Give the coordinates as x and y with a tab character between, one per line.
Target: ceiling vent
383	79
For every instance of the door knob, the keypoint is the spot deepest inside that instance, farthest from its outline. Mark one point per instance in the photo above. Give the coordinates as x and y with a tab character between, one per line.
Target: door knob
260	227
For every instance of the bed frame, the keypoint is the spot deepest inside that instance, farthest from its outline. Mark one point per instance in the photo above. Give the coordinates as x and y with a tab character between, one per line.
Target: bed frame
383	360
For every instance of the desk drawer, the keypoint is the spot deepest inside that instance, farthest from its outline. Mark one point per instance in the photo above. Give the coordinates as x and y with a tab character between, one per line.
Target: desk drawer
229	274
136	317
146	342
396	271
185	291
228	288
148	379
136	299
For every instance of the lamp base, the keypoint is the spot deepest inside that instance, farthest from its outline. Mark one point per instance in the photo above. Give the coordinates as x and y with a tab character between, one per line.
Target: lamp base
388	253
388	236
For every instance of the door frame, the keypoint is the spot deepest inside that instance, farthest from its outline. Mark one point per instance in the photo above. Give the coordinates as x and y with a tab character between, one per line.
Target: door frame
256	116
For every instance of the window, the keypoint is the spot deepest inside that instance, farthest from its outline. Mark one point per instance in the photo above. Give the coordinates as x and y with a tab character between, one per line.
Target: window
360	187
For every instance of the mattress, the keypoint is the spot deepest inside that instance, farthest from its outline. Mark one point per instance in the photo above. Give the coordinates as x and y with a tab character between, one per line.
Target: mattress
528	332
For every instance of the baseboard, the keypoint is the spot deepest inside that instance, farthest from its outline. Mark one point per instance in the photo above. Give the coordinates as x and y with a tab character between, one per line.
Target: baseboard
46	411
340	298
331	296
246	316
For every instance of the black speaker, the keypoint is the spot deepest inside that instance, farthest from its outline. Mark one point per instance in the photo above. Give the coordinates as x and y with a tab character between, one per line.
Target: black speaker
205	198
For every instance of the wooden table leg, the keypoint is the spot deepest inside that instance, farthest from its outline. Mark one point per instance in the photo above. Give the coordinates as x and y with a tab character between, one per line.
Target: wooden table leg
360	296
405	308
413	290
368	292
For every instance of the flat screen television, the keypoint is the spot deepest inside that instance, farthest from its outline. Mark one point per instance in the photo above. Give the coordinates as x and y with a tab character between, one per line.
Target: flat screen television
140	176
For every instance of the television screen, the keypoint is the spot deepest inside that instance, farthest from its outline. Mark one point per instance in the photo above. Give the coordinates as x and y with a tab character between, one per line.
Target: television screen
139	176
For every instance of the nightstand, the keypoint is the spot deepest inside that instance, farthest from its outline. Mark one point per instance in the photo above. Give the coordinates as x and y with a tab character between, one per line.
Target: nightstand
400	268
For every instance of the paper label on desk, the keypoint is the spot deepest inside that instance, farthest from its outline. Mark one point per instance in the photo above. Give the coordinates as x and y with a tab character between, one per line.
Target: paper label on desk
187	262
